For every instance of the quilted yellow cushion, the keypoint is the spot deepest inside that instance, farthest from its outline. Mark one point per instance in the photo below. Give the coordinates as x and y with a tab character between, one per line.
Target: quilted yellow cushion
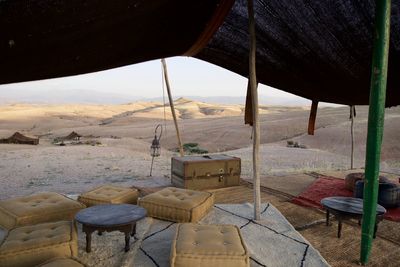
109	194
34	244
61	263
208	245
178	205
39	208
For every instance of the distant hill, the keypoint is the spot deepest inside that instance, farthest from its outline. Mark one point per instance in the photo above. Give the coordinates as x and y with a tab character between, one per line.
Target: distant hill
241	100
63	96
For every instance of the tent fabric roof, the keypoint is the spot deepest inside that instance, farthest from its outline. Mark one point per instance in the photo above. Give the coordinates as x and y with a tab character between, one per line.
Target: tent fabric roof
71	136
320	50
17	137
54	38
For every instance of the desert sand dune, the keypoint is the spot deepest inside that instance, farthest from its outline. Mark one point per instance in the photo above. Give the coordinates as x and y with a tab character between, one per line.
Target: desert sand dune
336	139
123	134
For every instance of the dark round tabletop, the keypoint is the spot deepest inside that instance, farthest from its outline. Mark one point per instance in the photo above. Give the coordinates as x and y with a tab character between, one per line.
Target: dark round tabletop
110	215
348	205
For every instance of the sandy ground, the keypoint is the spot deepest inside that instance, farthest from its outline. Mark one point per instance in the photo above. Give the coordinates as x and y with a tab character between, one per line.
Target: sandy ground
75	169
124	133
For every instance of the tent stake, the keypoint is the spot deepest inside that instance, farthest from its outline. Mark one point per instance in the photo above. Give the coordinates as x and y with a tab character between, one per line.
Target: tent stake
171	104
256	123
352	112
375	123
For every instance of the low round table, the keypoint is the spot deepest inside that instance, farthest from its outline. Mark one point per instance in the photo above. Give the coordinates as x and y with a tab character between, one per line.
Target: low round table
348	208
110	217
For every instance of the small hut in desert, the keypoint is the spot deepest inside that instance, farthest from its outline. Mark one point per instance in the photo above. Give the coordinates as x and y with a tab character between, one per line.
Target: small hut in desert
18	138
72	136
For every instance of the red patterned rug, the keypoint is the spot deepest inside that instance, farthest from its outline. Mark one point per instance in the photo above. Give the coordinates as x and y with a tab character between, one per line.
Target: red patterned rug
328	187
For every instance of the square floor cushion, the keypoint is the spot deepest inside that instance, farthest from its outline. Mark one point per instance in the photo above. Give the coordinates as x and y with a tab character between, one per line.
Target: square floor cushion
109	194
38	208
31	245
208	245
178	205
62	262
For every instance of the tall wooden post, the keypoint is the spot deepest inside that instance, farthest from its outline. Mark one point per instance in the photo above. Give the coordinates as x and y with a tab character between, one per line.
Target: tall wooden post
375	123
256	123
352	113
171	104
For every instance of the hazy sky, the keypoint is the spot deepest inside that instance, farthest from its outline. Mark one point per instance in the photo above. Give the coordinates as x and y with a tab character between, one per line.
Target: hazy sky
188	76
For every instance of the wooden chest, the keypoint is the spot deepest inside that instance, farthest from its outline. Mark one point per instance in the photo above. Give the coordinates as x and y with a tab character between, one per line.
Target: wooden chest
205	172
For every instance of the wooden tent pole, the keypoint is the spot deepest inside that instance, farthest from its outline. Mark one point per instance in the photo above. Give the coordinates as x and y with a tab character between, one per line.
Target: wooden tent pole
352	111
313	117
376	117
171	104
248	109
256	123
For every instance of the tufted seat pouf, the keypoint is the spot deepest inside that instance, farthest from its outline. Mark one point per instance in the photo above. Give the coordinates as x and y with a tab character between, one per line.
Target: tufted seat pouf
39	208
32	245
62	263
388	194
208	245
109	194
178	205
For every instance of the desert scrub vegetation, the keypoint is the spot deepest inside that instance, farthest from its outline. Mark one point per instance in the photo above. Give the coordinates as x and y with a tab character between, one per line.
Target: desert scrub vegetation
193	148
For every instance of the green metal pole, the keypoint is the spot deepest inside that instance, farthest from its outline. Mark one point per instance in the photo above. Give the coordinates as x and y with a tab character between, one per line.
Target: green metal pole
375	124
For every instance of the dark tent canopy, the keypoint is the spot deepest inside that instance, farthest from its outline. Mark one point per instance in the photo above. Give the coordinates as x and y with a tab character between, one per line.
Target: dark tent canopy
320	50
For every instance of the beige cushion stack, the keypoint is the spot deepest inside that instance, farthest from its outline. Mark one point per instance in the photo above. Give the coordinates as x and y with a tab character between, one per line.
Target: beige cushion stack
39	208
178	205
32	245
109	194
208	245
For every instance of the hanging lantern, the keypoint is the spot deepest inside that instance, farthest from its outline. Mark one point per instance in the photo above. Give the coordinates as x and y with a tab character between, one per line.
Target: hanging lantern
155	148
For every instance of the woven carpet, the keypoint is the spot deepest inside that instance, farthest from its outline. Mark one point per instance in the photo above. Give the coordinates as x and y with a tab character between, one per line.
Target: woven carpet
328	187
272	241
